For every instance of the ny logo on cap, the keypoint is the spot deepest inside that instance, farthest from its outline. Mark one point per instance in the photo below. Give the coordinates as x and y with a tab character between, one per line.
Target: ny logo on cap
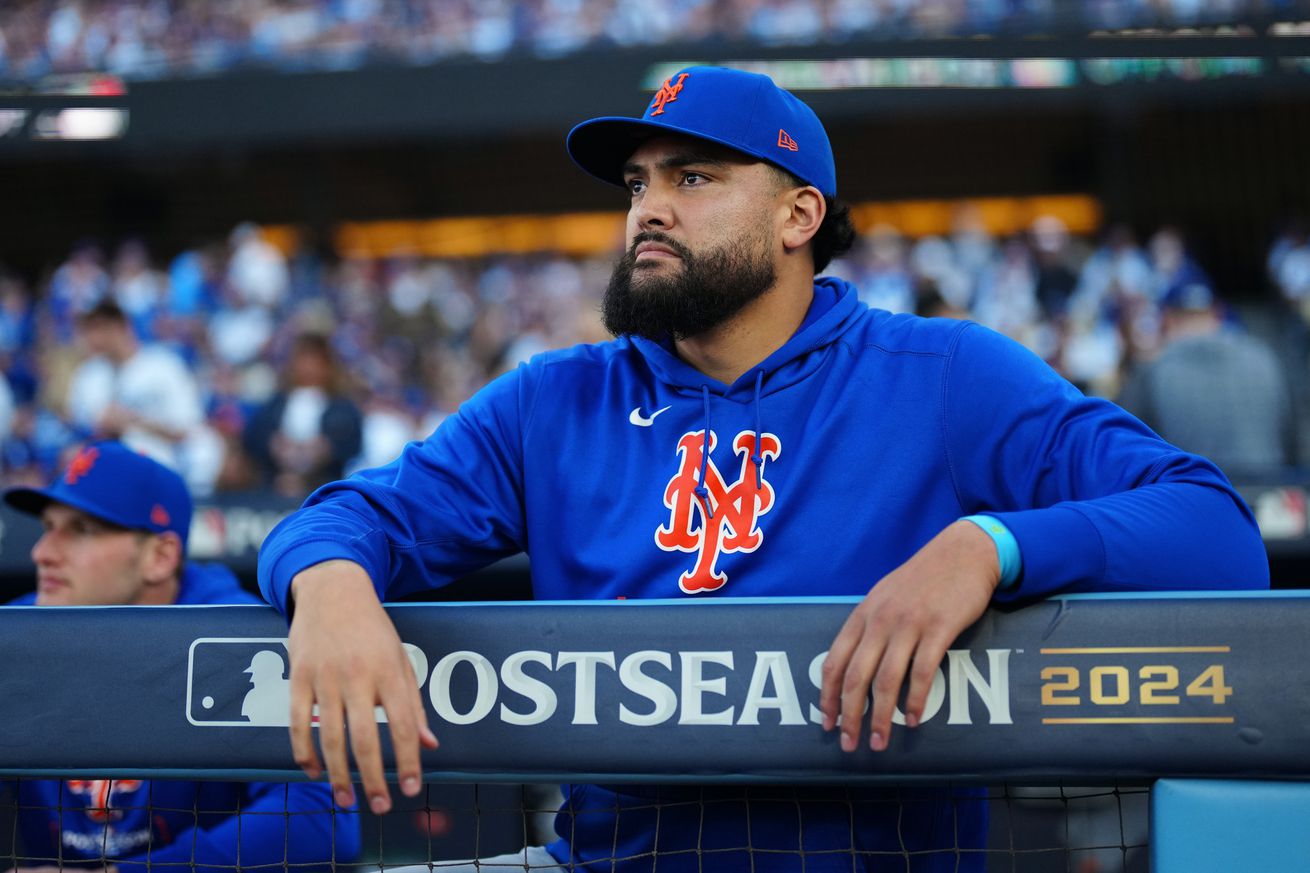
668	93
81	464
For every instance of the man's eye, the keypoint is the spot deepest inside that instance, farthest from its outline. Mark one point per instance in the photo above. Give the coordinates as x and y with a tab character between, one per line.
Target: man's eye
636	186
693	179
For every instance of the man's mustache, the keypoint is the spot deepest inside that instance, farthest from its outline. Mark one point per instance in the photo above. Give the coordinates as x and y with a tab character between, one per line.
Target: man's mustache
656	237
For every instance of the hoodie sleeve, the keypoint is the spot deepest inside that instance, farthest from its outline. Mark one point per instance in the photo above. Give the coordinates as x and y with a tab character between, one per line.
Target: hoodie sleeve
447	506
279	825
1095	499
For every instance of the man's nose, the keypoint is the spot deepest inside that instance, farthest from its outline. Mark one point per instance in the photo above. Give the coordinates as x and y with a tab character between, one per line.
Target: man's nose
43	551
654	210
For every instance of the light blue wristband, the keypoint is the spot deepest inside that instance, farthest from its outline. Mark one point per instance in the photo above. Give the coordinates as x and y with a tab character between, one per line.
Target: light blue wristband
1007	547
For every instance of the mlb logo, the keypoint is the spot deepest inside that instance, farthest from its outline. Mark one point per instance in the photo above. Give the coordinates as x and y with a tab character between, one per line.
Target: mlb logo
235	682
245	682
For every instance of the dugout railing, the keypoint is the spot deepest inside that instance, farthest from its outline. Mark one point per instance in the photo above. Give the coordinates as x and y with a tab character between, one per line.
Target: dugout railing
1105	728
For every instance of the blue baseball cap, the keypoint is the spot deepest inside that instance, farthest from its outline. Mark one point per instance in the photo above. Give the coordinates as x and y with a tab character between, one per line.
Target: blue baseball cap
746	112
1194	295
111	482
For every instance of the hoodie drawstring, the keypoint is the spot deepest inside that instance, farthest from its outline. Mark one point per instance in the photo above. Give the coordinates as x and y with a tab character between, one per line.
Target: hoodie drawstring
755	458
701	491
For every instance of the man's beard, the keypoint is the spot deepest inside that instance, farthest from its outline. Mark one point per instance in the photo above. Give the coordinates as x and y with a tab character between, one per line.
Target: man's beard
707	291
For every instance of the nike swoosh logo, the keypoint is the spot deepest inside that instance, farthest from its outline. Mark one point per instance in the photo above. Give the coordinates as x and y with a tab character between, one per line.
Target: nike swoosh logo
635	417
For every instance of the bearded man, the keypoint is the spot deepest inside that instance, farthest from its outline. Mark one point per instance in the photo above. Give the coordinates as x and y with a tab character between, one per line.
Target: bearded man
753	431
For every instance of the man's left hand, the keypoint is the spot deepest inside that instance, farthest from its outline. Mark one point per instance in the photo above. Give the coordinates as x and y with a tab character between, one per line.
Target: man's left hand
905	624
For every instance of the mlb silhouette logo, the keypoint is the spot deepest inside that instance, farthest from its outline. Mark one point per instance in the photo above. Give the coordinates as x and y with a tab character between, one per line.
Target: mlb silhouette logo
244	682
241	682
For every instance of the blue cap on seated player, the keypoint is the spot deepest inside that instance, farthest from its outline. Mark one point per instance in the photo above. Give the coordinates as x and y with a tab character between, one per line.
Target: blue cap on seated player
111	482
746	112
1191	295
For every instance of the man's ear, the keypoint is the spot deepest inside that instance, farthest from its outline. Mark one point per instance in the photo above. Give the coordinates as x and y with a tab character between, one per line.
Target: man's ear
806	209
162	561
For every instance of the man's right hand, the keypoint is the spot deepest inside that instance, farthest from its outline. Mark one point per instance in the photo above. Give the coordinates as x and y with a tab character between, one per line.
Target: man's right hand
347	658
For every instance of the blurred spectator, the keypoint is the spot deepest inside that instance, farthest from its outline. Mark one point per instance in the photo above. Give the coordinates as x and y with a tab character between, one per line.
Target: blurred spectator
1289	267
1006	300
78	284
929	303
192	283
257	270
388	426
138	288
1091	355
932	258
971	241
17	345
1171	262
1118	270
1214	390
253	291
31	452
143	395
1055	263
1289	270
878	268
1172	267
6	408
239	332
785	22
634	22
1109	312
305	435
17	321
227	410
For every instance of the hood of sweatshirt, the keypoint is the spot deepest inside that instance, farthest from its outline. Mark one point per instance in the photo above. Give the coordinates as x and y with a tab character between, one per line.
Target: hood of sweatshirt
211	584
833	310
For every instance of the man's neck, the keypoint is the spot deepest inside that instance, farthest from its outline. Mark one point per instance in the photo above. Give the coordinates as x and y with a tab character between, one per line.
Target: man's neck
161	594
728	351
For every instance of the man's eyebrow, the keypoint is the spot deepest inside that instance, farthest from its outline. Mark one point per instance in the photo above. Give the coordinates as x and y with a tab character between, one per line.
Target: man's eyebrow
675	161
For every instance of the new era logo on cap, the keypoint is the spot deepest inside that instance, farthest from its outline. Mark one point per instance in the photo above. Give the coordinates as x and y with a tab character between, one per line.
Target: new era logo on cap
786	142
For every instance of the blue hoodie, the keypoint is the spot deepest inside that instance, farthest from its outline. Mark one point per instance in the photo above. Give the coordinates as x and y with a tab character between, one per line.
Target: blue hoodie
134	823
828	465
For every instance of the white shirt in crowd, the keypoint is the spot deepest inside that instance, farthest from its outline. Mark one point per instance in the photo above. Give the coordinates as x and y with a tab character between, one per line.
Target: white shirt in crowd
157	386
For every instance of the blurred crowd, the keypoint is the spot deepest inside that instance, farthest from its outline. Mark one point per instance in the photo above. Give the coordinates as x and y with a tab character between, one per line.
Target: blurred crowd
166	38
247	367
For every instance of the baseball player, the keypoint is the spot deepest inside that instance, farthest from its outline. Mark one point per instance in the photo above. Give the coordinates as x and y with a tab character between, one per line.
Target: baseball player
753	431
115	529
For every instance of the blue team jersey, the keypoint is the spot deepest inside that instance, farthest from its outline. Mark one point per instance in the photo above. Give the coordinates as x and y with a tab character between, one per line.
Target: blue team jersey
624	472
176	823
